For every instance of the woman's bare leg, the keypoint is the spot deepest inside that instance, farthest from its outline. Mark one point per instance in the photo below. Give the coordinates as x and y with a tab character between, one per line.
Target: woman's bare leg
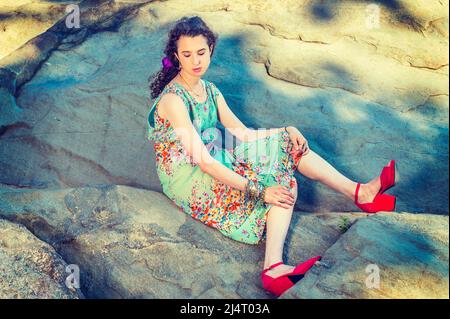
278	221
315	167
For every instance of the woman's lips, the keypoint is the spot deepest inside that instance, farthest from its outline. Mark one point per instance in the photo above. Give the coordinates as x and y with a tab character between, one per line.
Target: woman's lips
197	69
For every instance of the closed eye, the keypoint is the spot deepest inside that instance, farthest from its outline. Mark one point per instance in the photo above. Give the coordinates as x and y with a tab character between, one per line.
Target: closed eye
187	56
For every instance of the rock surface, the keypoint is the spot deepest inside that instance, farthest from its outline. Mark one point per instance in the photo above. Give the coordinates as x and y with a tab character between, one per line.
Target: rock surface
22	20
362	90
134	243
384	256
29	268
364	82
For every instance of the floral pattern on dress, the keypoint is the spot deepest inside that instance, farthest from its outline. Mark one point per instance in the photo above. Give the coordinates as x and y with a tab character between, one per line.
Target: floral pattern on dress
205	198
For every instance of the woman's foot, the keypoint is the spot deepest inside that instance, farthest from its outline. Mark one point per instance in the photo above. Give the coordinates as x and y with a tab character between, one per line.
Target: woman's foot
280	270
368	191
277	282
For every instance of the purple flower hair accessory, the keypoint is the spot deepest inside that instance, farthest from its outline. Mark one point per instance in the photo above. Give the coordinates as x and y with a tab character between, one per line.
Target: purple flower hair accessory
166	63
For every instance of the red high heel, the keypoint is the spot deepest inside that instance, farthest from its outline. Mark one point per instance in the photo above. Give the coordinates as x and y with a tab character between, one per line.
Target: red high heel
381	202
280	284
387	177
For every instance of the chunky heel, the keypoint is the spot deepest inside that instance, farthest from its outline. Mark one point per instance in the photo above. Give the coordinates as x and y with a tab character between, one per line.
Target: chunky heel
387	177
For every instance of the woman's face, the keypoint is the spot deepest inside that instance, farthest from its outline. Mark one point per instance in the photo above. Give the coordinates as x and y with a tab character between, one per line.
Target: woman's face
194	54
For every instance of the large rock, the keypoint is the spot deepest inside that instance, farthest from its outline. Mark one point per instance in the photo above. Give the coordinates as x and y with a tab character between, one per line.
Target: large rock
22	20
30	268
363	92
133	243
384	256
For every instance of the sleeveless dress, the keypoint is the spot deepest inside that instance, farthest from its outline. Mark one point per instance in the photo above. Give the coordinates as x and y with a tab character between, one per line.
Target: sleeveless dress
203	197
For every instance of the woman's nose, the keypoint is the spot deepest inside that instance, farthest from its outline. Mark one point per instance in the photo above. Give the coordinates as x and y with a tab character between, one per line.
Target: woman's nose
196	60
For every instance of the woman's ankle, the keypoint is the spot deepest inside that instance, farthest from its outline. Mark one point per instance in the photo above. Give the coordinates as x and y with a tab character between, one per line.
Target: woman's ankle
350	190
271	262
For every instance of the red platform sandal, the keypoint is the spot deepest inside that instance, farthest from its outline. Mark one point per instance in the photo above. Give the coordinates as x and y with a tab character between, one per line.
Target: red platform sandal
387	177
381	202
280	284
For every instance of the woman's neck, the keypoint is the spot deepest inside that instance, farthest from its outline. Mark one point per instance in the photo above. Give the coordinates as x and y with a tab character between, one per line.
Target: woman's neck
193	81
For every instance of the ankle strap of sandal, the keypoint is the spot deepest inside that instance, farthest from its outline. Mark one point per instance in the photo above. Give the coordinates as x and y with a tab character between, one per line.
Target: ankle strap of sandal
357	192
273	266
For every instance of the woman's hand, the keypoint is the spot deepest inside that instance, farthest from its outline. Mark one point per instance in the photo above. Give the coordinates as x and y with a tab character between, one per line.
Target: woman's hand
280	196
298	140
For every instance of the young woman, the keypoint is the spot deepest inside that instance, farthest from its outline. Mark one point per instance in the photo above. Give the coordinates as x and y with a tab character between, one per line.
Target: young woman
246	199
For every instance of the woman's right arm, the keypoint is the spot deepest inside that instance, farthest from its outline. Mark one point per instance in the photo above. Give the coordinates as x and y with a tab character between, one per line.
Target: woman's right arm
176	113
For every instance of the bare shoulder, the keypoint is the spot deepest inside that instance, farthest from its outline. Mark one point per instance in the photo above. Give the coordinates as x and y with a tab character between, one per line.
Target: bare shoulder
210	83
214	87
168	102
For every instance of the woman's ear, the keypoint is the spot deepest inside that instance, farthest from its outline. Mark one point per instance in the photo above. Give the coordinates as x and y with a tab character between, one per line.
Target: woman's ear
211	49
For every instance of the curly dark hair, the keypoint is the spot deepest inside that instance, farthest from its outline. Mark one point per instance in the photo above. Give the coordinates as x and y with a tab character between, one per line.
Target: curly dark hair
187	26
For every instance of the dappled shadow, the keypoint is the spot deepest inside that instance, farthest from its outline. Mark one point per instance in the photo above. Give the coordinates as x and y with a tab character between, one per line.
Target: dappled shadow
9	13
331	139
325	11
422	167
236	80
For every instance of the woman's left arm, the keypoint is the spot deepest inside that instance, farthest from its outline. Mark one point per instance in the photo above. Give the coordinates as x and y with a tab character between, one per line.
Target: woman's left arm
231	122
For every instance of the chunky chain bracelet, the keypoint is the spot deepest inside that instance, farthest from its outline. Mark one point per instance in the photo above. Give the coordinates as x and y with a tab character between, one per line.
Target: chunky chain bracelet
251	191
263	194
254	191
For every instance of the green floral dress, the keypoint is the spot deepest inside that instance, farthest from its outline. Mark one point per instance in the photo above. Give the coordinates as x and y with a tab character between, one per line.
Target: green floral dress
266	160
